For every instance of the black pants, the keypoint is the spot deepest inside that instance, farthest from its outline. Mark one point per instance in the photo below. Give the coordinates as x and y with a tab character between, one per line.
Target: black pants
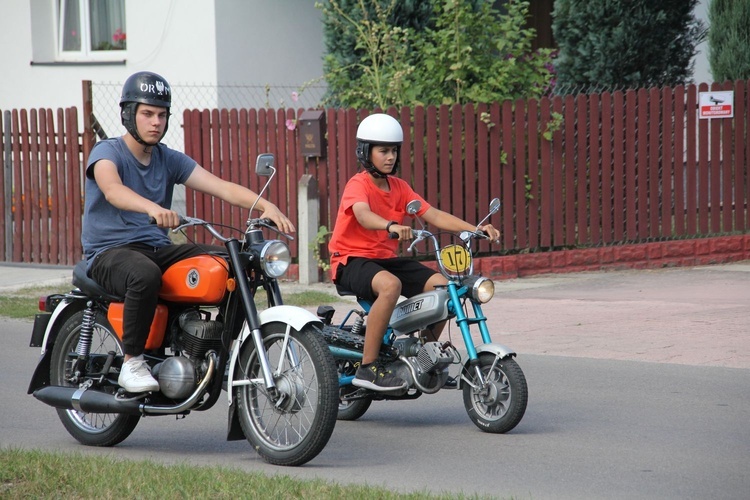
134	271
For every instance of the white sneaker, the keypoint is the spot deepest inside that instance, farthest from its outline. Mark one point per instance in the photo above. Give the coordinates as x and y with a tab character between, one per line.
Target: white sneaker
135	376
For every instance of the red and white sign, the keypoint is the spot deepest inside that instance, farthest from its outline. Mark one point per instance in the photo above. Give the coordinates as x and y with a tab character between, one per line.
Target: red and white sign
718	104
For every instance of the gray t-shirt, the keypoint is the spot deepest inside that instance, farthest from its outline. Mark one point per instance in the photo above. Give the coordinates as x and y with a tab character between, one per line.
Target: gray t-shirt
105	226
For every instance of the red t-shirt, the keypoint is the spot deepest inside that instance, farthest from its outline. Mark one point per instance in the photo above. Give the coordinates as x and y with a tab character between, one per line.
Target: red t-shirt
349	238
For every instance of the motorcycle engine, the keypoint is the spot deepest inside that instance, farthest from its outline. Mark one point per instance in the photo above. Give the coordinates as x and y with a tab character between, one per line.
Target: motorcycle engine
178	375
429	361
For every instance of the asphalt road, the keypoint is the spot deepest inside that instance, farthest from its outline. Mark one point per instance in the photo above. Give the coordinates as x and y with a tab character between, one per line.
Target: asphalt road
607	417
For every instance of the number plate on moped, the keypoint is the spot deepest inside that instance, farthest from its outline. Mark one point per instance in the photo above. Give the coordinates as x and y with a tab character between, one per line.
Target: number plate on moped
456	258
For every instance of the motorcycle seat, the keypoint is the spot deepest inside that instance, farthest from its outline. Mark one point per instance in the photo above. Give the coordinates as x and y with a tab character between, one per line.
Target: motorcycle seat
91	287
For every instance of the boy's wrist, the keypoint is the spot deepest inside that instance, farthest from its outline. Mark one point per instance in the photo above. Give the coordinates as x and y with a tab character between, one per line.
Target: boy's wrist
388	226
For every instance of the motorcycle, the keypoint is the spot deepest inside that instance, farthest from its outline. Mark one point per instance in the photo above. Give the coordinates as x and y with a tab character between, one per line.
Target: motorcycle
208	335
494	388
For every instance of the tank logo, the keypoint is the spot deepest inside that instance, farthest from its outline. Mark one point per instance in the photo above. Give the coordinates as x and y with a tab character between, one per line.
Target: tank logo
193	278
409	308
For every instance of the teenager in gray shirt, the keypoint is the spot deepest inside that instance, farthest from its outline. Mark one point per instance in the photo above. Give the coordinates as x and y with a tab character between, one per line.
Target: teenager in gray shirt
129	180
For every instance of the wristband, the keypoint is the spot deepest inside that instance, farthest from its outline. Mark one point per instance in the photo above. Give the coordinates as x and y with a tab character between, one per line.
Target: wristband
388	226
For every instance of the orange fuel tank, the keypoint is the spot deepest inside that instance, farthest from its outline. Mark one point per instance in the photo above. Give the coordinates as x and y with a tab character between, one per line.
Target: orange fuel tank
197	280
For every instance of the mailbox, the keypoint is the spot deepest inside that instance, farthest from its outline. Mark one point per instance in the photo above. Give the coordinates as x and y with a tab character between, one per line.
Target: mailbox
312	132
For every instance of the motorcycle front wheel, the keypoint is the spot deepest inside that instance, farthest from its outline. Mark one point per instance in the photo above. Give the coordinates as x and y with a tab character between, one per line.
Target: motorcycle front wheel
498	405
91	429
292	426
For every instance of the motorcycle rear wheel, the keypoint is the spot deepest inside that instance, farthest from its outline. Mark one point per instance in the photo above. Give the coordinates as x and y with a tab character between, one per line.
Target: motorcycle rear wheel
293	430
91	429
499	406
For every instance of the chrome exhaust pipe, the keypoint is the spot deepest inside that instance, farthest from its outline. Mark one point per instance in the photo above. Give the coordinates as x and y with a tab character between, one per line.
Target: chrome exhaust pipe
92	401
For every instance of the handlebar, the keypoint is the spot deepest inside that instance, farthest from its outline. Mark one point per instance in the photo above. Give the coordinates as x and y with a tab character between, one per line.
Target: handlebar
194	221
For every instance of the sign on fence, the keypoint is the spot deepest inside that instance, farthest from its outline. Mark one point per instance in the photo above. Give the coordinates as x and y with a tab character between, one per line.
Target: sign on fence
716	104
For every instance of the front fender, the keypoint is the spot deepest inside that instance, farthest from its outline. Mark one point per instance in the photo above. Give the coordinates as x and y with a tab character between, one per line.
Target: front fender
498	350
296	317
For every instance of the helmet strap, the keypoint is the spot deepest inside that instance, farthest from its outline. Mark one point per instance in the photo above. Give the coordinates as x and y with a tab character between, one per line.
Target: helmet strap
127	115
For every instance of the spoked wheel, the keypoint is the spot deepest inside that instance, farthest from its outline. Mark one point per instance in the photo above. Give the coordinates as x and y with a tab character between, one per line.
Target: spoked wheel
352	409
92	429
498	405
293	425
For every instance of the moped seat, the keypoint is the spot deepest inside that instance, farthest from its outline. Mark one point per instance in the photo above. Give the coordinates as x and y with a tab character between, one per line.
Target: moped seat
344	292
91	287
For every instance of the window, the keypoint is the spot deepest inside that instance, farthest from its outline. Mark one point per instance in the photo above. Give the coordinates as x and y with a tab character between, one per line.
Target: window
91	30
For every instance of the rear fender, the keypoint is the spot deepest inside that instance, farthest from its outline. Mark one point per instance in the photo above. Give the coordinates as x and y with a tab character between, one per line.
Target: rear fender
66	307
62	312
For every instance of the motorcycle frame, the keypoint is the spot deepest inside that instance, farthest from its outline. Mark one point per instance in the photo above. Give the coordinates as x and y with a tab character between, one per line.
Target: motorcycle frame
456	292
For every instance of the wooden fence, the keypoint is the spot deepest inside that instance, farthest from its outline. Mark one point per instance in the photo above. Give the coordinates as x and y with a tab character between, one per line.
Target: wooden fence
42	186
574	171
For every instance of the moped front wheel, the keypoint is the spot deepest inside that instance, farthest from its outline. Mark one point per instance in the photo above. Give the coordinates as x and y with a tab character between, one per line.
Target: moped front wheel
291	425
498	405
92	429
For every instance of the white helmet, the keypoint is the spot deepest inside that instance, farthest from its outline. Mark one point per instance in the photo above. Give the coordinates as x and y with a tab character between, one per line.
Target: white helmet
378	128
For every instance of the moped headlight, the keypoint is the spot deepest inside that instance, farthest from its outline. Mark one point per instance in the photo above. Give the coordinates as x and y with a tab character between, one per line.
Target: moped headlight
483	290
275	258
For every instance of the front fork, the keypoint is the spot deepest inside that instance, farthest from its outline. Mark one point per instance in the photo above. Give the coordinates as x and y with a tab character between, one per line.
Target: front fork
464	324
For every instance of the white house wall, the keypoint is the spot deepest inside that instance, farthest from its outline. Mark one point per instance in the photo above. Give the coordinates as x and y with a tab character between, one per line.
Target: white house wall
244	42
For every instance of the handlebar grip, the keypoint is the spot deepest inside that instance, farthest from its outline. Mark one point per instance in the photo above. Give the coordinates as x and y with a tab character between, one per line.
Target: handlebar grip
183	220
482	234
392	236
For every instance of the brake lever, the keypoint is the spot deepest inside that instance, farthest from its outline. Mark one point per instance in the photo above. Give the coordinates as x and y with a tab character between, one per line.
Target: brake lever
268	223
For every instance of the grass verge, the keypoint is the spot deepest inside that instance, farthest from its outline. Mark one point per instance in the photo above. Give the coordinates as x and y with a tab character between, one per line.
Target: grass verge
24	303
38	474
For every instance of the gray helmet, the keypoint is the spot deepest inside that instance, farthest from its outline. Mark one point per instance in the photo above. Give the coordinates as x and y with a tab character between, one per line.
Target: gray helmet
378	128
143	87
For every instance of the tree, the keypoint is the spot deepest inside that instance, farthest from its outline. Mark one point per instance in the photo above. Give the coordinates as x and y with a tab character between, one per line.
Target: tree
464	51
729	39
624	43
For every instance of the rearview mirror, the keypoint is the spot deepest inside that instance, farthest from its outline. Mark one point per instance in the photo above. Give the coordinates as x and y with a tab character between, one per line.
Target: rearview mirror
264	165
494	205
413	207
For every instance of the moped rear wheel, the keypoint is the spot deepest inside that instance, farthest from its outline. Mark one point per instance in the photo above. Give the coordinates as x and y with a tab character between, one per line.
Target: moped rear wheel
498	405
350	409
294	425
91	429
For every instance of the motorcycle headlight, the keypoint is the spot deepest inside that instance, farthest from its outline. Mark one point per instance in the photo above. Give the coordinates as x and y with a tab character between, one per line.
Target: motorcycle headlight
482	290
275	258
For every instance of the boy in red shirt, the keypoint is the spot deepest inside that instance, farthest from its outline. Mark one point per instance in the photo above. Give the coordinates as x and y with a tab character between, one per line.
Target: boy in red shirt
363	257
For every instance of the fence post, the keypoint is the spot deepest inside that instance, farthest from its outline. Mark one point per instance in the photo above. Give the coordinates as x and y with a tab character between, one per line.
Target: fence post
8	185
308	207
87	134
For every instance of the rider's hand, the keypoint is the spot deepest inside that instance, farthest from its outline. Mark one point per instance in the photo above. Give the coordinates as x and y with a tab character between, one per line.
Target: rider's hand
164	217
272	212
404	232
492	233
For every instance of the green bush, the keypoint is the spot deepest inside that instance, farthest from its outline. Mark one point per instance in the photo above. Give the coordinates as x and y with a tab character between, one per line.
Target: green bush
729	39
625	43
391	53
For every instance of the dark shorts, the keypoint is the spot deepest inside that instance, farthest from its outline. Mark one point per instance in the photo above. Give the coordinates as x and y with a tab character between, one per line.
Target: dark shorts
357	275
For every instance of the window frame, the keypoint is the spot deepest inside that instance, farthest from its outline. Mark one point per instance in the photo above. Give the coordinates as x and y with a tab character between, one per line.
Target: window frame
86	54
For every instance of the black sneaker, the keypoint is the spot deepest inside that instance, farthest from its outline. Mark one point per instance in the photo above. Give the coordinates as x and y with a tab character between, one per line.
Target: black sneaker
451	383
376	378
